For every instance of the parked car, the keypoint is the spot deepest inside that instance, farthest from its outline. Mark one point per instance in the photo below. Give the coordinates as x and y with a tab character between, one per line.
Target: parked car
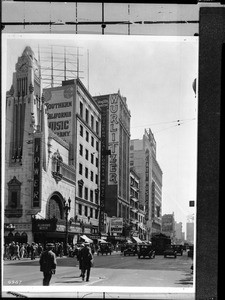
130	249
104	248
179	249
170	251
144	250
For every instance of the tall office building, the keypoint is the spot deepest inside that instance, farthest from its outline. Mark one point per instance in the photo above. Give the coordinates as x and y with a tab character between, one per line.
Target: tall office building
115	171
143	160
75	117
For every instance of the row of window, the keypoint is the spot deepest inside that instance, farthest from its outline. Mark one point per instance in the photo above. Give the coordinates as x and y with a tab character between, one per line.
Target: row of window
93	213
87	174
81	151
88	195
87	137
89	120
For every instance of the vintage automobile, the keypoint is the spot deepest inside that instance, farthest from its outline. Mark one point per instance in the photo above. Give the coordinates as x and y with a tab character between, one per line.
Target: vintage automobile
130	249
170	251
104	248
145	250
179	249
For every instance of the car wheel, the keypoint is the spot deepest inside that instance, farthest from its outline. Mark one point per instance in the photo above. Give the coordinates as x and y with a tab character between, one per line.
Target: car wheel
175	256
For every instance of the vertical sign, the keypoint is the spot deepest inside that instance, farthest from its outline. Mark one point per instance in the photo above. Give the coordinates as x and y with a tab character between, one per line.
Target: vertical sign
153	199
37	172
147	188
104	111
113	138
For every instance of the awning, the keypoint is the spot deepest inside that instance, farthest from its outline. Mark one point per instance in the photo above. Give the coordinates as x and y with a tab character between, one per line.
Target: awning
137	239
102	241
86	239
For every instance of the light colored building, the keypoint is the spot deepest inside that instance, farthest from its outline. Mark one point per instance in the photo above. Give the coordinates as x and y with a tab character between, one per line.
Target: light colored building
39	177
179	234
190	232
75	117
143	160
115	171
168	226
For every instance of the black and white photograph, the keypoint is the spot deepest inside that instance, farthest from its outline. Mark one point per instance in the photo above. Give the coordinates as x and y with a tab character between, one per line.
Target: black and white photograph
99	151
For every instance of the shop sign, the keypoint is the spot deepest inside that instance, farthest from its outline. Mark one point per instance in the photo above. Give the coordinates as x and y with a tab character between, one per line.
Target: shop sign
44	227
60	227
87	230
75	229
116	225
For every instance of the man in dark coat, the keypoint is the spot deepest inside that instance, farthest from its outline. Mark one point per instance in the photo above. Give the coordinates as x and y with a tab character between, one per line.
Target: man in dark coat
86	259
48	263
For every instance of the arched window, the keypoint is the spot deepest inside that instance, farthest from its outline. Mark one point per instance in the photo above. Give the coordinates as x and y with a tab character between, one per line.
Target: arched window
55	208
14	190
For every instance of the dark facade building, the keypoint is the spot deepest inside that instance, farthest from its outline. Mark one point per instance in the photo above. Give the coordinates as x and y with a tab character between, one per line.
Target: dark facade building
115	171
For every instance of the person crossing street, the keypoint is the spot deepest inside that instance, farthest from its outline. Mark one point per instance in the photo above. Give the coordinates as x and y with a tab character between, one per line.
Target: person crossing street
86	260
48	263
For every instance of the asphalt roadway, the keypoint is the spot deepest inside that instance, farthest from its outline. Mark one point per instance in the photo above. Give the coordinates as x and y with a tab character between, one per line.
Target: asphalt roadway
111	274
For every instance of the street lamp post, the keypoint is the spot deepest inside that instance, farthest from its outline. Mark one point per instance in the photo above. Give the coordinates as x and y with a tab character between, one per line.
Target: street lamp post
66	209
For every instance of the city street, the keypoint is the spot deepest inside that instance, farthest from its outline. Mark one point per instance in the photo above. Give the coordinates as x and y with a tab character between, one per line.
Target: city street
110	270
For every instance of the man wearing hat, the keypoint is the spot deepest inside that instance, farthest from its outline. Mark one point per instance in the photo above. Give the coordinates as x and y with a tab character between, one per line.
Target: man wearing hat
86	260
48	263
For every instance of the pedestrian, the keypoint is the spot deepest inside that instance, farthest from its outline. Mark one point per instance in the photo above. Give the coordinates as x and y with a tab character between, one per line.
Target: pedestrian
28	249
40	249
22	251
48	263
16	251
32	250
86	261
79	258
11	250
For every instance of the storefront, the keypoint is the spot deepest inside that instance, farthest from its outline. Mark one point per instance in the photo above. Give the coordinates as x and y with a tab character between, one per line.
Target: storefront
53	230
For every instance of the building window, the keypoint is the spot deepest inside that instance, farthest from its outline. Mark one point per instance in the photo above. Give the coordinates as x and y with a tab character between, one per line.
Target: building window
92	176
92	158
97	145
87	136
96	196
96	162
92	141
86	172
80	209
87	116
80	191
86	193
81	109
14	189
86	211
81	130
96	214
86	154
80	188
91	195
92	121
91	212
81	149
80	169
97	127
96	178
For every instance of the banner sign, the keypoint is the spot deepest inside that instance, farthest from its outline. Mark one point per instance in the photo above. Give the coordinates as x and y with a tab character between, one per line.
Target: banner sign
37	173
116	225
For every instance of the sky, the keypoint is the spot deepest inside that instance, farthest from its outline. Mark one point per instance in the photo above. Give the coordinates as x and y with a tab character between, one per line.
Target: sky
155	74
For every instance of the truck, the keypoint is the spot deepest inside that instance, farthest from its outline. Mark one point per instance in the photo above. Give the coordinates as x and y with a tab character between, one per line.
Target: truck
160	242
